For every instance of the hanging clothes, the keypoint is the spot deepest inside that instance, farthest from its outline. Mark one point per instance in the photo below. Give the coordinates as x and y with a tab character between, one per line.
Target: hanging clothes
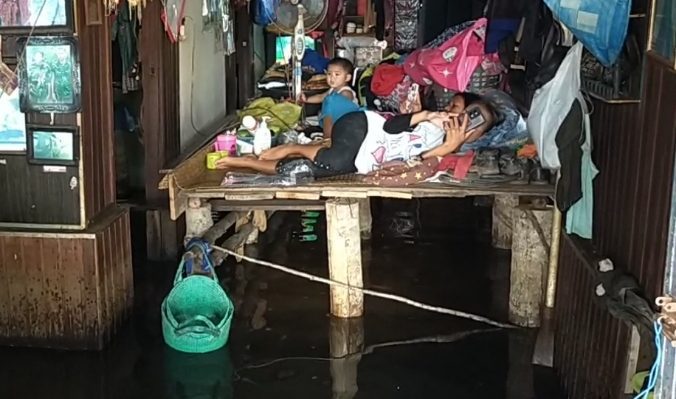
569	140
124	32
579	218
406	24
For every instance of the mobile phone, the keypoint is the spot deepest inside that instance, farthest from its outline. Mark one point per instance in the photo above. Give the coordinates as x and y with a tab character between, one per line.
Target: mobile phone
413	94
475	116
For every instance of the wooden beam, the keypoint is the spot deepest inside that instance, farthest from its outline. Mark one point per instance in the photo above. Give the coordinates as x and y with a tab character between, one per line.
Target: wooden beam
244	55
268	205
198	219
159	118
346	342
365	218
162	240
530	258
178	200
344	249
222	226
238	239
503	207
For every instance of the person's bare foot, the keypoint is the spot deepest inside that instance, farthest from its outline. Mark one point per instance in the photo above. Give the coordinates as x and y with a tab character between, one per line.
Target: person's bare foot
232	162
276	153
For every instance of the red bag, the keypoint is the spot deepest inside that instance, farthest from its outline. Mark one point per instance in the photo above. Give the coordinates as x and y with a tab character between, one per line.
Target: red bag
386	77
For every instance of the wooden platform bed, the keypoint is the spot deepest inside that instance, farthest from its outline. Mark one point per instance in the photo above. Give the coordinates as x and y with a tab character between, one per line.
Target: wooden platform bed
522	222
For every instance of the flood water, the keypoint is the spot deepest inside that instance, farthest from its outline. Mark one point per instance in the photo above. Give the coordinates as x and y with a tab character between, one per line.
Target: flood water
282	336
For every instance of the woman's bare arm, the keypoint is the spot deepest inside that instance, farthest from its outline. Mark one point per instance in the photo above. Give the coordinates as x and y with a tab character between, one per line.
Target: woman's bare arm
456	135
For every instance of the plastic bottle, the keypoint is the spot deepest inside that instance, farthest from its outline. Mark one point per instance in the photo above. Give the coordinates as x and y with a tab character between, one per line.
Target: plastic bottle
262	137
250	123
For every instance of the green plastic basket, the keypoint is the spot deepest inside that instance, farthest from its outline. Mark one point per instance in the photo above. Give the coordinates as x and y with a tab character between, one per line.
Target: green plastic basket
197	313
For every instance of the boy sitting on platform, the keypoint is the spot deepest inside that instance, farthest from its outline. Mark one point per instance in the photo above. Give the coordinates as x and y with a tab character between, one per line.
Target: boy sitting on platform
340	99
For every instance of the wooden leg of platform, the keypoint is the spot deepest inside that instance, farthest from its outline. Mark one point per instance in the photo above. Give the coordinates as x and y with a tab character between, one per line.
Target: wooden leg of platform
530	258
198	218
365	219
346	341
344	248
503	205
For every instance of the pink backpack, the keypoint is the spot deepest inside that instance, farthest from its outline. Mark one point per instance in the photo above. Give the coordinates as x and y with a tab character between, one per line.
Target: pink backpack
452	64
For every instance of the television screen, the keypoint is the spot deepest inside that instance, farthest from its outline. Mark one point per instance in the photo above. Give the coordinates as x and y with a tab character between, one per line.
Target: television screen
283	48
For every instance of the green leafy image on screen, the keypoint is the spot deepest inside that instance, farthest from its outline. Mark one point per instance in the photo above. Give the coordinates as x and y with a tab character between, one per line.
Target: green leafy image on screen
57	146
283	48
50	73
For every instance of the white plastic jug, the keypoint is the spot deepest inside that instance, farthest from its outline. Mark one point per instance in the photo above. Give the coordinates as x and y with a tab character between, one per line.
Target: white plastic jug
262	137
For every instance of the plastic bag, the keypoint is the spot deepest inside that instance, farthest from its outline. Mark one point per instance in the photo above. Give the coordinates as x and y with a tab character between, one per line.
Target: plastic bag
265	11
601	25
551	104
248	179
283	116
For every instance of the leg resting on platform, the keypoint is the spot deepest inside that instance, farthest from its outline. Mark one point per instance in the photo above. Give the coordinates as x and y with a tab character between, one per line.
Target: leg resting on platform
344	249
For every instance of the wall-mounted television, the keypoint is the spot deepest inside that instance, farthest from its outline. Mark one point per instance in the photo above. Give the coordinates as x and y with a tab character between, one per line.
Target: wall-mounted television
283	48
48	145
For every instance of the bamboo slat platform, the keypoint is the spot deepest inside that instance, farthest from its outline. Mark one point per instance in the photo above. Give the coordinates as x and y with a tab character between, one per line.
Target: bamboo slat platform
198	192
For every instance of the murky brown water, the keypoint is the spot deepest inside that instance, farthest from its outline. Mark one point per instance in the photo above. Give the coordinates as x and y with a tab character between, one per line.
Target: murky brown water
282	338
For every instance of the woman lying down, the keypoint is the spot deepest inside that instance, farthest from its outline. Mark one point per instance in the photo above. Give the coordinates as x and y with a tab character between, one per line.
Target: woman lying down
363	141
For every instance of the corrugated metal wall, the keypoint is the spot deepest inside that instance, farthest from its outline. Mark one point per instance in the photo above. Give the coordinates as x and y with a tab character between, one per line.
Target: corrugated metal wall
634	149
588	349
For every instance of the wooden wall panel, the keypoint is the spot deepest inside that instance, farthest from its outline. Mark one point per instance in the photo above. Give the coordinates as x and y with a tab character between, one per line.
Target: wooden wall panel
66	290
98	143
30	195
35	197
159	116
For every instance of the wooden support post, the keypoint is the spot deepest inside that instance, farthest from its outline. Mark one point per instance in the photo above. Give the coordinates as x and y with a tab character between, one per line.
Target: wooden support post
197	218
632	360
503	205
162	238
530	258
553	271
520	376
365	219
346	340
344	245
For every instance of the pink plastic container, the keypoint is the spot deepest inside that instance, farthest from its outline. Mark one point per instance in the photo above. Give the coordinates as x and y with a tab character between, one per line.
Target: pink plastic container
226	142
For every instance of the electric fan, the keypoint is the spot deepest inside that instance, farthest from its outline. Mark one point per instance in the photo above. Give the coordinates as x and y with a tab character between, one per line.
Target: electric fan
298	17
